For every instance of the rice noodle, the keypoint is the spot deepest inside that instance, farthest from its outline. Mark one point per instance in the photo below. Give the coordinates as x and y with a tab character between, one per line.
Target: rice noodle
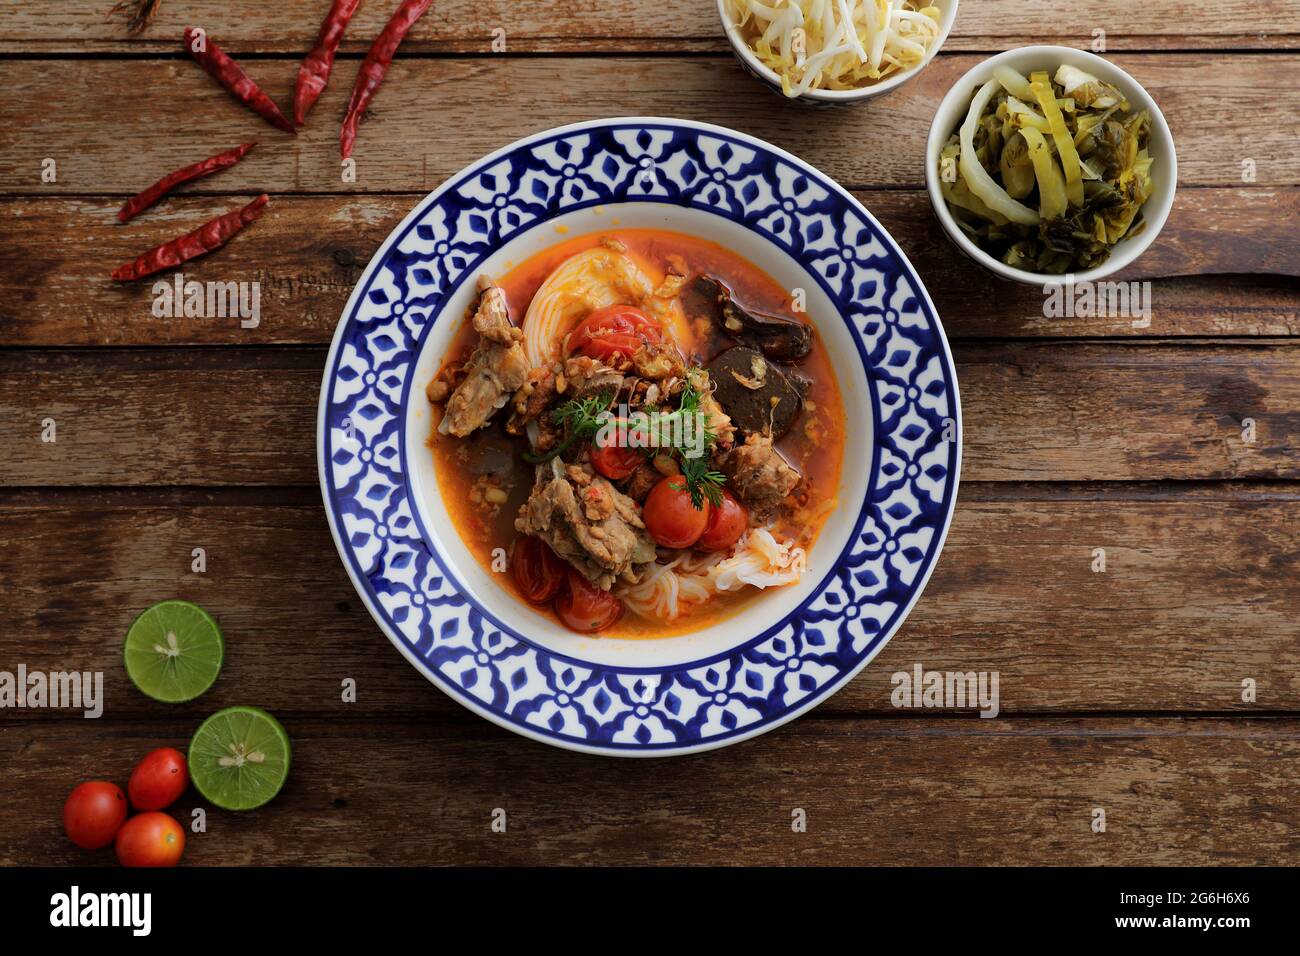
669	590
592	279
586	281
760	561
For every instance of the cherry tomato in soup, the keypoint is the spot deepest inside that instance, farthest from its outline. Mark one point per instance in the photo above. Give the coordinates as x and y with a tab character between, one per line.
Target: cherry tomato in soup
727	522
585	608
159	779
93	813
150	839
670	516
538	571
615	461
614	330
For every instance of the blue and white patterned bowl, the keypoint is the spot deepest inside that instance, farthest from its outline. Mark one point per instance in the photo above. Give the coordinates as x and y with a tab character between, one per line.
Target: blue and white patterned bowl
784	652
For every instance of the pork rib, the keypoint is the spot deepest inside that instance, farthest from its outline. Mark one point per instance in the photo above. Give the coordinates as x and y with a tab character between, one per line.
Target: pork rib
494	372
587	522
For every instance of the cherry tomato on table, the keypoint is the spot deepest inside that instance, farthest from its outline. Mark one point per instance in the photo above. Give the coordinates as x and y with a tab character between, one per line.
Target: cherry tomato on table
538	571
727	522
671	517
614	330
159	779
150	839
585	608
93	813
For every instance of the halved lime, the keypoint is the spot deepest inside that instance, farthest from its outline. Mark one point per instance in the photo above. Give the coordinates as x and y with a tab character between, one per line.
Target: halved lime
239	758
173	651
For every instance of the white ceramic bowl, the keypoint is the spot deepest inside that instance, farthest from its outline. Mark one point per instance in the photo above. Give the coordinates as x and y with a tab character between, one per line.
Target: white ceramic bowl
948	9
1164	168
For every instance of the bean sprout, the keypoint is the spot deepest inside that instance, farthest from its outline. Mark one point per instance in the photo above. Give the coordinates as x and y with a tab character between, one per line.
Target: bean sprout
836	44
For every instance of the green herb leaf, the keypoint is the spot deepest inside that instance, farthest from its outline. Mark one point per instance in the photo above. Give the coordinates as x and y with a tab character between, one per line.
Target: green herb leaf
580	418
702	482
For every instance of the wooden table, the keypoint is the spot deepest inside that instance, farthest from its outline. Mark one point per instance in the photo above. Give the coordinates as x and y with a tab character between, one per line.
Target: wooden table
1121	690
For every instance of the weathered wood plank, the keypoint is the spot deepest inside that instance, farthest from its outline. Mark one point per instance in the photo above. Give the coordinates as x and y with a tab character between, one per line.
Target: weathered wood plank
637	25
434	116
1130	412
1032	412
873	791
1193	600
307	252
162	417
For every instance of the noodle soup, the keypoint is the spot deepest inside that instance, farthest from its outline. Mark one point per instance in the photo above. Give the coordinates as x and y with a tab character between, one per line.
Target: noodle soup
639	432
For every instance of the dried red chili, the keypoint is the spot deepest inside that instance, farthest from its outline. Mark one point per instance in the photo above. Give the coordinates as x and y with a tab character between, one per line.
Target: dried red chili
207	238
213	164
315	70
375	65
231	75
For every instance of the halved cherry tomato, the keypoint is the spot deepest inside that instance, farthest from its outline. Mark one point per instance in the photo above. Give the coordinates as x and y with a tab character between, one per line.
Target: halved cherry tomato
538	571
671	517
159	779
615	461
727	522
585	608
150	839
93	813
614	330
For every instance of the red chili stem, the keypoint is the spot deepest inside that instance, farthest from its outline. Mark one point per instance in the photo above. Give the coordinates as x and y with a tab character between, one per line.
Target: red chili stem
231	75
213	164
208	237
375	65
314	73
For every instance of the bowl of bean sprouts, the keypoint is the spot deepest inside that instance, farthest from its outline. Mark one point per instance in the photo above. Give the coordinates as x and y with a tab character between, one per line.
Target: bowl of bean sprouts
836	51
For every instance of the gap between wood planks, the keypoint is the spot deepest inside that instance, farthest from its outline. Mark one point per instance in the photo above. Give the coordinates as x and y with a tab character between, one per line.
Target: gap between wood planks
904	722
208	188
131	498
1260	341
19	358
582	48
635	24
1264	341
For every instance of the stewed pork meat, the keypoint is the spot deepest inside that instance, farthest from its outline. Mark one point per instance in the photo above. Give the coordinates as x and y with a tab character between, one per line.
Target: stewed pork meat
496	370
587	522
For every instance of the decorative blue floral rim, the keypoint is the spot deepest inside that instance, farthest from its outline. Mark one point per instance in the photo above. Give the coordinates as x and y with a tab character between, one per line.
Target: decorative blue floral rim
503	675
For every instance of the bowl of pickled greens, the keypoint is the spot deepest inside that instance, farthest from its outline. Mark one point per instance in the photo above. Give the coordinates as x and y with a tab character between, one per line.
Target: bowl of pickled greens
1048	161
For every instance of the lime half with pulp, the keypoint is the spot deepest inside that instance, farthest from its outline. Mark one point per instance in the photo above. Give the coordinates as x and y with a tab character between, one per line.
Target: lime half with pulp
239	758
173	651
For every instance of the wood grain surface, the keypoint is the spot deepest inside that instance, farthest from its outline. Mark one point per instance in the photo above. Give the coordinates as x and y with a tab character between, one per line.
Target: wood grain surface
1016	593
306	253
1032	412
880	791
412	139
619	26
1174	446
